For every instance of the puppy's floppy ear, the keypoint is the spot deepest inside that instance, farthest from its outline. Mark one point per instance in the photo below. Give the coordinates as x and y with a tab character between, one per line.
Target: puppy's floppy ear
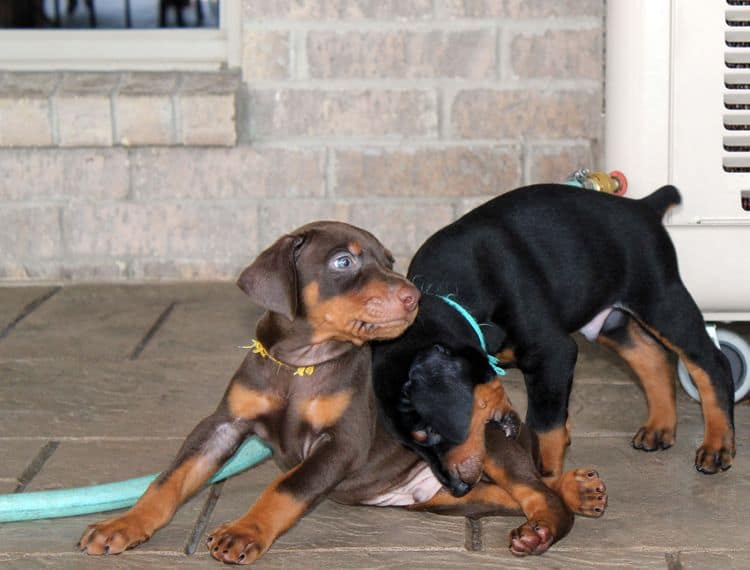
271	280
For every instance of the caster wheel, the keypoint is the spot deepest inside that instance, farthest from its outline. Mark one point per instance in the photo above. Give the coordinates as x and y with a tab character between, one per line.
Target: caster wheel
737	351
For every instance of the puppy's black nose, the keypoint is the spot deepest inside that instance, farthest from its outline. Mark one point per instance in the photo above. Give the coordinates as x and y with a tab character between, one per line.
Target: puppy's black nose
409	296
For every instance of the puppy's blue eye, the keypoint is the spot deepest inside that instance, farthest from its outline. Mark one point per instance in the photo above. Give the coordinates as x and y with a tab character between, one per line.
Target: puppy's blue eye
343	262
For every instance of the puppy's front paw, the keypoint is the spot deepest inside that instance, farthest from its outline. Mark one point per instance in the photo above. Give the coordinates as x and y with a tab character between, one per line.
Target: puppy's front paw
237	543
114	535
650	438
534	537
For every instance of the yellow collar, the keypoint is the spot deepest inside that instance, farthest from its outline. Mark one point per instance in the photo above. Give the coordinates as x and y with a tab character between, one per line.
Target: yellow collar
257	347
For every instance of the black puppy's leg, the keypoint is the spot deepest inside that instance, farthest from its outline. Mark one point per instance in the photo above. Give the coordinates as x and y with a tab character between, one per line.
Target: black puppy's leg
510	465
648	359
548	366
675	320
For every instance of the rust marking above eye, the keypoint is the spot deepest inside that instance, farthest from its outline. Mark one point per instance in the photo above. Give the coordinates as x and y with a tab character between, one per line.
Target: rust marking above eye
249	404
355	248
324	410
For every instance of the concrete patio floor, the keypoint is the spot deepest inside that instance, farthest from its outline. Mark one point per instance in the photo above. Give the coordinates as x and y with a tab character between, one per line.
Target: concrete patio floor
101	383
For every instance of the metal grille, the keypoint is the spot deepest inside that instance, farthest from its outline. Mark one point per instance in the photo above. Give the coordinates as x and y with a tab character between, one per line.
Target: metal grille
736	138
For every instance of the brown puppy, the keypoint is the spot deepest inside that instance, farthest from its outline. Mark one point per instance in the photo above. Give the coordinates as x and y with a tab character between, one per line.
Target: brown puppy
306	388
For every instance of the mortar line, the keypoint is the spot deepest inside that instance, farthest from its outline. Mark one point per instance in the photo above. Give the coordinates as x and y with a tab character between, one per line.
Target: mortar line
161	319
28	309
33	468
203	518
473	528
54	123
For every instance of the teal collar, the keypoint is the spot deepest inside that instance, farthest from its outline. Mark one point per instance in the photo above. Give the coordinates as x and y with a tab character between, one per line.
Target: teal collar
492	359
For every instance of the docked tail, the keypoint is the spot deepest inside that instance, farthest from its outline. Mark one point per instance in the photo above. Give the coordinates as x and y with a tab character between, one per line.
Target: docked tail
660	200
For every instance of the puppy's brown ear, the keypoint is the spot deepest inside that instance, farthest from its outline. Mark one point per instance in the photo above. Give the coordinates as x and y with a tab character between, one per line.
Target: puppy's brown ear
271	280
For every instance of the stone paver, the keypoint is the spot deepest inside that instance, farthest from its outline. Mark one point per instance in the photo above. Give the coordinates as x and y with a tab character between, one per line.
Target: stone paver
16	455
113	399
65	376
14	299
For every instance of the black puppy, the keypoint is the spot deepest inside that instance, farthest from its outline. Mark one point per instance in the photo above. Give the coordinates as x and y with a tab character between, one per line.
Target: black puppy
538	264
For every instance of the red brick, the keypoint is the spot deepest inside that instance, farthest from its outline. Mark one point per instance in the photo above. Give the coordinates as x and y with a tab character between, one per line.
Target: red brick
265	55
402	54
402	226
554	163
345	113
566	54
184	229
240	172
178	269
486	113
455	171
53	174
522	8
277	217
337	9
29	232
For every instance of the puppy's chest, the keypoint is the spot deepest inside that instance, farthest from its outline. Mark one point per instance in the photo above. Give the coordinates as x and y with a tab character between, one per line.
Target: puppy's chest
307	420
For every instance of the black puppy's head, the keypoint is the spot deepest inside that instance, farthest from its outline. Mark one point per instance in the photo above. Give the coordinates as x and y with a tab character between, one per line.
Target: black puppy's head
438	397
338	278
439	390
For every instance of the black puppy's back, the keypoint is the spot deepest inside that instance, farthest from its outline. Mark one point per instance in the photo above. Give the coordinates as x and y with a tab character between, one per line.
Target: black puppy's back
541	242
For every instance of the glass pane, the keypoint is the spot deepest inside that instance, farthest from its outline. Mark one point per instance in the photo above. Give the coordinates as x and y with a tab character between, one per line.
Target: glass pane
109	14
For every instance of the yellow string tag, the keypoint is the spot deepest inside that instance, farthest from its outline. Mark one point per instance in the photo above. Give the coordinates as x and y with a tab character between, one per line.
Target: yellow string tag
257	347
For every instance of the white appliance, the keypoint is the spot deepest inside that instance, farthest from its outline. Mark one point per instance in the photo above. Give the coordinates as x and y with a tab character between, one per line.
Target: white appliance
678	111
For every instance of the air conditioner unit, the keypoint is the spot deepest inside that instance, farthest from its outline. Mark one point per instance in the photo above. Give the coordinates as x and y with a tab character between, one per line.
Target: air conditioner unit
678	111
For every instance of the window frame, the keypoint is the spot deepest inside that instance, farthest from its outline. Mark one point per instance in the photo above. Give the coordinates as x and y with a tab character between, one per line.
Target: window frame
109	50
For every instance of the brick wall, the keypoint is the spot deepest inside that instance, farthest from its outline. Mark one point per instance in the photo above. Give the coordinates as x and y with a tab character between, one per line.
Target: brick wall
397	116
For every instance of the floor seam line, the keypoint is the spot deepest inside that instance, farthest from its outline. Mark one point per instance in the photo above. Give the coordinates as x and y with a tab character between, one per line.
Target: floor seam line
161	319
28	309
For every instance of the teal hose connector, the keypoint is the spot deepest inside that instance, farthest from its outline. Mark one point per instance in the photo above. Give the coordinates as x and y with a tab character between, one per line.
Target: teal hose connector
111	496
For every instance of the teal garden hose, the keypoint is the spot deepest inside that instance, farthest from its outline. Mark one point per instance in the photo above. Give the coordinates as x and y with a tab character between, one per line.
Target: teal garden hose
110	496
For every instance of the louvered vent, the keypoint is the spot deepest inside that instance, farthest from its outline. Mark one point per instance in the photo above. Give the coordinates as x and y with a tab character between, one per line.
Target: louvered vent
737	87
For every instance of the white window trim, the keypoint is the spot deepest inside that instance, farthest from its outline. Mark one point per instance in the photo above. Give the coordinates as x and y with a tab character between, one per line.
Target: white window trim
181	49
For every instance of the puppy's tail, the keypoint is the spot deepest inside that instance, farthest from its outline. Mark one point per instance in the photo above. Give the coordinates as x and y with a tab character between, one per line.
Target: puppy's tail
661	200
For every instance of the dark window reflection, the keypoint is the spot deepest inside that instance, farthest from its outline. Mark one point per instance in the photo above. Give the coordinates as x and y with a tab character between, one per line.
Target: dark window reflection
109	14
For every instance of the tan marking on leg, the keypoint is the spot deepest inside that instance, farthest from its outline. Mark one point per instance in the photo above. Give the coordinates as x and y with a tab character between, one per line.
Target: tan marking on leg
541	506
324	410
718	434
649	362
248	404
152	511
717	425
490	402
249	537
483	499
552	447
